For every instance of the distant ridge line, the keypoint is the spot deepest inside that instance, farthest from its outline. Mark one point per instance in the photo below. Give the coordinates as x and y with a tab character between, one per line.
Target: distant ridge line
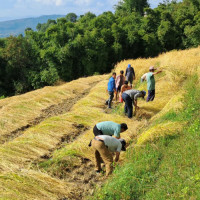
18	26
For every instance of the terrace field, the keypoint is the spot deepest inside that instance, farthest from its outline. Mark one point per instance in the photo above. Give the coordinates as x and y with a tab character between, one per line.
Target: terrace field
44	134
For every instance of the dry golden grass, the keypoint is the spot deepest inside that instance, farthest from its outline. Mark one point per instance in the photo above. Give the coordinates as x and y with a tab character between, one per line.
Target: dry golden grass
19	111
177	66
32	185
18	181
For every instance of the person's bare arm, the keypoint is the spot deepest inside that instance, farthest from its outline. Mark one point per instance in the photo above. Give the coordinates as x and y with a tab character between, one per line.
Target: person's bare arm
116	137
157	72
117	156
135	104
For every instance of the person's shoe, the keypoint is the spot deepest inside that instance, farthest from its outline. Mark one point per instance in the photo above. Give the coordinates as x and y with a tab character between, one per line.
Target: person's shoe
98	171
106	103
109	107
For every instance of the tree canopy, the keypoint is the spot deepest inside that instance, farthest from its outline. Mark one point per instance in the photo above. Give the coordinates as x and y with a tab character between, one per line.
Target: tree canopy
71	47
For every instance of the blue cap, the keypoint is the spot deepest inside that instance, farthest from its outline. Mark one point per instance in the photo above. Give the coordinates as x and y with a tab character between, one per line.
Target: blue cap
129	65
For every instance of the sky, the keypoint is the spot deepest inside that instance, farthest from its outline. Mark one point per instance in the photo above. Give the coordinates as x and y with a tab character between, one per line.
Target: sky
17	9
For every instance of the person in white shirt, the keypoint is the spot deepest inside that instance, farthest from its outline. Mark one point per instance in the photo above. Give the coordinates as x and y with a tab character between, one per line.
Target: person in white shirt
104	146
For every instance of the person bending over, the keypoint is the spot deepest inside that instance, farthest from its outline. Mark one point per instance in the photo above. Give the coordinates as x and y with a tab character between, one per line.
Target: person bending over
130	98
104	146
109	128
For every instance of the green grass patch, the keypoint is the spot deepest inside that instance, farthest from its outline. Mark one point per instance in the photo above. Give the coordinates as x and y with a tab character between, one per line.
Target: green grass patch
118	109
60	162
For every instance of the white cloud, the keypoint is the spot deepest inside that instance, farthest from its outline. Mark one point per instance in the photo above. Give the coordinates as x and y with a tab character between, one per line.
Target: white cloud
83	2
51	2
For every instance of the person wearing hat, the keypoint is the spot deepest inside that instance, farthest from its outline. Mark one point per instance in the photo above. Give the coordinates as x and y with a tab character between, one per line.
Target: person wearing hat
130	98
151	83
104	146
130	74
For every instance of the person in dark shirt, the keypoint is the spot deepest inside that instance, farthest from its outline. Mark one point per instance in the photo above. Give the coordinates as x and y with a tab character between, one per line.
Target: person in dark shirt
130	74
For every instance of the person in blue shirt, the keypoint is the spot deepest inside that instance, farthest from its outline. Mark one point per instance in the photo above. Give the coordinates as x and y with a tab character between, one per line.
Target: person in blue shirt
111	89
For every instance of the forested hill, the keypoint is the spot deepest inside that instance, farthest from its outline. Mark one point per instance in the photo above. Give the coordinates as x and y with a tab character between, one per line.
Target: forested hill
18	26
73	47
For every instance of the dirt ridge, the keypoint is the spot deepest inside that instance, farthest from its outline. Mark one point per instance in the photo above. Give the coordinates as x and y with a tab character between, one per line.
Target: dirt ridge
51	111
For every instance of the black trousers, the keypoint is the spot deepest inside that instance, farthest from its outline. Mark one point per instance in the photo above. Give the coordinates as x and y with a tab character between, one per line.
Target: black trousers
128	108
151	95
96	131
109	101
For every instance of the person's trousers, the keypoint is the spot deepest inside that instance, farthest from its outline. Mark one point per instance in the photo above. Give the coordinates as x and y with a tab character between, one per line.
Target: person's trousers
96	131
102	153
151	95
109	101
128	108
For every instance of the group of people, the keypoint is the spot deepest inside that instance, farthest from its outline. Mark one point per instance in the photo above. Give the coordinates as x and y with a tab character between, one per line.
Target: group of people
107	138
107	141
120	85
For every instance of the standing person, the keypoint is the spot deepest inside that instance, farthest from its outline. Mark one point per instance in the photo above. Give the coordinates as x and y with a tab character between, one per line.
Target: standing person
111	89
123	89
151	83
109	128
130	74
104	145
130	97
119	82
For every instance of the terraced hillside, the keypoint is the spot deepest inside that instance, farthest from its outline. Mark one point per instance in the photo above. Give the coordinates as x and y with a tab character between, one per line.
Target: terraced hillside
44	134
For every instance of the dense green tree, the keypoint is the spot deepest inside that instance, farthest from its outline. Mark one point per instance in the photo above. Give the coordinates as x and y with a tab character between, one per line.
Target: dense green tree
132	6
20	57
71	17
72	47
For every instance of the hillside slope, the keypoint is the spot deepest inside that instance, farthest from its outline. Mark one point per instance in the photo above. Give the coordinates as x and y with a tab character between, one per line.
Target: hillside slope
163	162
18	26
44	134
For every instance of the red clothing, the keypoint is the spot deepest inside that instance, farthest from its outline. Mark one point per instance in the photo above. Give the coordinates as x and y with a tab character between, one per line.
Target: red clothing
124	88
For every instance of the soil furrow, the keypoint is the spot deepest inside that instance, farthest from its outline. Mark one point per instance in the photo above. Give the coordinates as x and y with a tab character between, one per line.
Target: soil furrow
53	110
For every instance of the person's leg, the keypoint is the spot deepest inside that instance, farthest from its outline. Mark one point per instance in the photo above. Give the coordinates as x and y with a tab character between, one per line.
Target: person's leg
128	108
153	95
95	145
107	157
98	161
129	104
111	95
131	82
124	96
116	95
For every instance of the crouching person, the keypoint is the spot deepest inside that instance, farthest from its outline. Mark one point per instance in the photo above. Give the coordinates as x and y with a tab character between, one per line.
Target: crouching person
104	146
